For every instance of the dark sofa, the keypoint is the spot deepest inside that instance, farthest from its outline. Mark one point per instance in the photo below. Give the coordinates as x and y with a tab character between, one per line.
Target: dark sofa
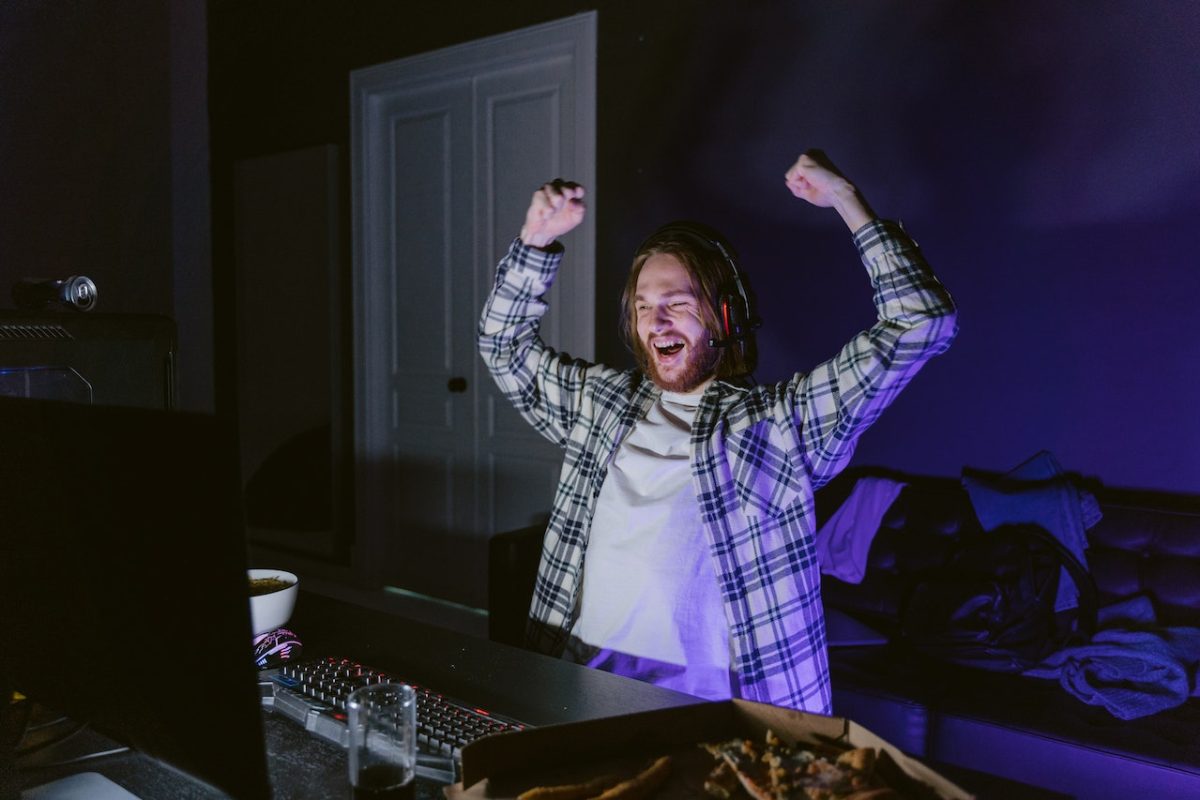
1028	729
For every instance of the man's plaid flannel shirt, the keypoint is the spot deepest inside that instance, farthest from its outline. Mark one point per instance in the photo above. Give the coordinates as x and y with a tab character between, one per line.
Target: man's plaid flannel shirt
757	456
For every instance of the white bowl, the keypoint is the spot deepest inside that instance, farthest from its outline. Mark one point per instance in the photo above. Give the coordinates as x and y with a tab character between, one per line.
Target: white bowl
271	611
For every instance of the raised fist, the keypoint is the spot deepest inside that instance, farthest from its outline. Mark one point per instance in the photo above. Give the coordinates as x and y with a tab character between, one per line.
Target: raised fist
556	208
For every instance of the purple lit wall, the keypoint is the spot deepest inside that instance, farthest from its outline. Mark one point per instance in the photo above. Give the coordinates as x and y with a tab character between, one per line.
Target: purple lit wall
1046	157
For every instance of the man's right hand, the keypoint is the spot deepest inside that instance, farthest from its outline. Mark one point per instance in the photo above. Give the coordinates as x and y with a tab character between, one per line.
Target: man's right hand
556	208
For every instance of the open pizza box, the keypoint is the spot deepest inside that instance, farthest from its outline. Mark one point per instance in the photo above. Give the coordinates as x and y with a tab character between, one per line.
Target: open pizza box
507	765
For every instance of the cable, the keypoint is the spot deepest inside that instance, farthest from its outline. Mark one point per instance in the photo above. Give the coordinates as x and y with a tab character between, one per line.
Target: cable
34	748
69	761
51	723
26	728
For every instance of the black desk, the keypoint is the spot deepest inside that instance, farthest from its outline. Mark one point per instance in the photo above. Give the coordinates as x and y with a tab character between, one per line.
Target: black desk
507	680
534	689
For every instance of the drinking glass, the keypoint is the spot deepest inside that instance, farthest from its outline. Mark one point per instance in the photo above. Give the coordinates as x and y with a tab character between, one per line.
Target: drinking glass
383	741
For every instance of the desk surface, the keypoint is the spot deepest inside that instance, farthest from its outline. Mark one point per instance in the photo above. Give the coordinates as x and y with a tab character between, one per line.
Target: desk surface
506	680
532	688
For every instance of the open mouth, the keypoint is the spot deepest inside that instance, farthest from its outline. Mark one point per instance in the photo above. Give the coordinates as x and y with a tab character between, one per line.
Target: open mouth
668	347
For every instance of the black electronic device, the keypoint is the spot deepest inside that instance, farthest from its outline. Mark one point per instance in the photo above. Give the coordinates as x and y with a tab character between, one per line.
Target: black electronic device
106	359
77	293
123	583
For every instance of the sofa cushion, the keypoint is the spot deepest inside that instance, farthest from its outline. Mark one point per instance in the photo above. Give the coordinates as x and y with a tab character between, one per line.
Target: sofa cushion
1152	551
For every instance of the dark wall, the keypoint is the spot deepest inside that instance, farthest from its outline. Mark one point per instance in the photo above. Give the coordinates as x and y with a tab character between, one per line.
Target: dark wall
85	173
1045	156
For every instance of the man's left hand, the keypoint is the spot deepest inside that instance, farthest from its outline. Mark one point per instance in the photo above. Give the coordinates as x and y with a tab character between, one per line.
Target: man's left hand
815	179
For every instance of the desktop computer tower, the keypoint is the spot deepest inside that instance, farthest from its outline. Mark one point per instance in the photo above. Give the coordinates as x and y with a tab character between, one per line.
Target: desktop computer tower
101	359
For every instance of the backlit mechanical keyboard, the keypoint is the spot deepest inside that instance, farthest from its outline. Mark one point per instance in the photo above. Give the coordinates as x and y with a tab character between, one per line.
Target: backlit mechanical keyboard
313	693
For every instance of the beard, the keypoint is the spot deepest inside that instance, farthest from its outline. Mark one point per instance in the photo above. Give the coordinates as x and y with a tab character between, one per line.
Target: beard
699	366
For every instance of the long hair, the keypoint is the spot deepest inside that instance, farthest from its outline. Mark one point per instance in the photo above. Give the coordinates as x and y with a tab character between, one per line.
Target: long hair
711	275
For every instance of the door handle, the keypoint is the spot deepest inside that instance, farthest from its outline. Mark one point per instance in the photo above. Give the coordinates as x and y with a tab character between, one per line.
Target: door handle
457	385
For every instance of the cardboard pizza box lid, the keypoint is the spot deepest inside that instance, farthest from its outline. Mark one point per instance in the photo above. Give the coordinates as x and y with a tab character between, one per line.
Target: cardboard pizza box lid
493	764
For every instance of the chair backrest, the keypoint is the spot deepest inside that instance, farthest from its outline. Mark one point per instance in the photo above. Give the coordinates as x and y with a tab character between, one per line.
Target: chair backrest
512	568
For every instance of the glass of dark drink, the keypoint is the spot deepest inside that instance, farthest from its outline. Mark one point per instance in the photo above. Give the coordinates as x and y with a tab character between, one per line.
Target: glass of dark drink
383	742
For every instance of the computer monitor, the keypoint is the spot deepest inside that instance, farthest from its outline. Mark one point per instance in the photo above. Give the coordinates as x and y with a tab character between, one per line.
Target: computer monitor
123	587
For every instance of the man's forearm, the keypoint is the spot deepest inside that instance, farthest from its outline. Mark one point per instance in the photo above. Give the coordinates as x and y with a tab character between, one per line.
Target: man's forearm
852	207
515	303
907	293
543	385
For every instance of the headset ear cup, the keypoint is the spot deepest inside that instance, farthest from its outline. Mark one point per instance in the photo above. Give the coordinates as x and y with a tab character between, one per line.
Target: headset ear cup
733	315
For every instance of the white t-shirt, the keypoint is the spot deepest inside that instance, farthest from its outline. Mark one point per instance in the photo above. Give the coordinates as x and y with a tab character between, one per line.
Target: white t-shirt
650	607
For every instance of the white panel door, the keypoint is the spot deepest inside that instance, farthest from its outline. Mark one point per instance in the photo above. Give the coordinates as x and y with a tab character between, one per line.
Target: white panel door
527	137
448	147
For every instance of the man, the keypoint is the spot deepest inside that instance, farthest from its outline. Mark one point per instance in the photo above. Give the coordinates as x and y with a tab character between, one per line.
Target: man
691	492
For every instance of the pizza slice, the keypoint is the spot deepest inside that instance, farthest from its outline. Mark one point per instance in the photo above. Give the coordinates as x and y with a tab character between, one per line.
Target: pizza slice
775	770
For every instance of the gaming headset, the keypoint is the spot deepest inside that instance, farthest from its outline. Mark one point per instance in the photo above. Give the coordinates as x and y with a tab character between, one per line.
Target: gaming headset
737	316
